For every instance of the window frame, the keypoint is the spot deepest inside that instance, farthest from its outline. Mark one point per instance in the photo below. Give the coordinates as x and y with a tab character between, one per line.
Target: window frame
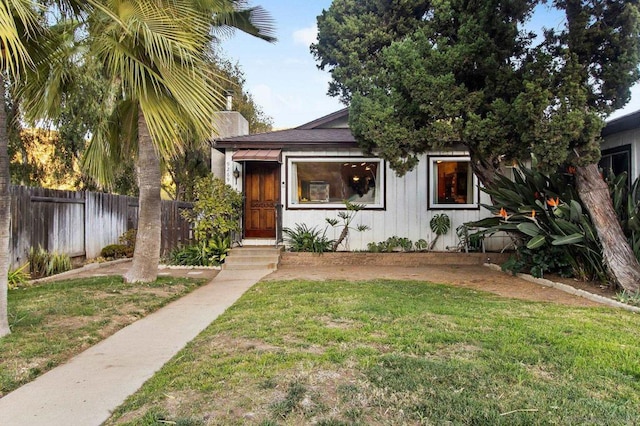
610	152
432	196
292	187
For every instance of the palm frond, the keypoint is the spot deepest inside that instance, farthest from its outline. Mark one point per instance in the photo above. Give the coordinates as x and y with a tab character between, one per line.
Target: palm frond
255	21
19	25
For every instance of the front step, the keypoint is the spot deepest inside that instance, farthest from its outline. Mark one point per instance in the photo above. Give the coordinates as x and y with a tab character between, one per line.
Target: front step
252	258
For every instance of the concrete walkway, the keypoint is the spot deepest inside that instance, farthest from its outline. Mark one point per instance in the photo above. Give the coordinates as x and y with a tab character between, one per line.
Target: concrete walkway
85	390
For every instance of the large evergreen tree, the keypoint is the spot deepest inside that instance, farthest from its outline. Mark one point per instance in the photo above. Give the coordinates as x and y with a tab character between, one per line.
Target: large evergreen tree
468	72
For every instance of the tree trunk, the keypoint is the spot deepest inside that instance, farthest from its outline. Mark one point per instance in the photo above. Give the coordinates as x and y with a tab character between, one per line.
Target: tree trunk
5	214
146	255
621	263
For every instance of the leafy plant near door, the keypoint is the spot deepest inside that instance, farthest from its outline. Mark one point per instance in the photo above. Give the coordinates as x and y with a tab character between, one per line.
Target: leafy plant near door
216	210
212	252
215	214
304	239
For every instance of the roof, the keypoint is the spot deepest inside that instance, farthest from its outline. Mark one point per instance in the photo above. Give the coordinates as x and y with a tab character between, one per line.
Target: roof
620	124
315	134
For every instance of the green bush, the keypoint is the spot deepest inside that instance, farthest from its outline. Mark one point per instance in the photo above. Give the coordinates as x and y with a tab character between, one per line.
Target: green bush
44	264
545	216
216	211
305	239
116	251
392	244
626	203
128	238
205	253
18	277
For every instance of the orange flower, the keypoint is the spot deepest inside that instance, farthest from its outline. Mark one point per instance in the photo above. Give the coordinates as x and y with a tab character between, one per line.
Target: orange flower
571	170
553	203
503	213
533	213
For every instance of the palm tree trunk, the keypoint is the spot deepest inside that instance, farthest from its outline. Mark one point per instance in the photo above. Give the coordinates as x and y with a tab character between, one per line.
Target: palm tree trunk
146	255
5	213
621	263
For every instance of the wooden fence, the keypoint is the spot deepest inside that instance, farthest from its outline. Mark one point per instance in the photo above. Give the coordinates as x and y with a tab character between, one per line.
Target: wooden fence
81	223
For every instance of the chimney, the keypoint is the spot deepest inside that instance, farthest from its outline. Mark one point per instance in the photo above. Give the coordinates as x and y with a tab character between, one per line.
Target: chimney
229	95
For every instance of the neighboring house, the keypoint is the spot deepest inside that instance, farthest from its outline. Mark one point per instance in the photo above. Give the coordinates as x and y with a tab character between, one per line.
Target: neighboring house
303	175
621	146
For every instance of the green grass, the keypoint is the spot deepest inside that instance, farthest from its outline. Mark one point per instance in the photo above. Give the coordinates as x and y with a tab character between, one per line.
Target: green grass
387	352
52	322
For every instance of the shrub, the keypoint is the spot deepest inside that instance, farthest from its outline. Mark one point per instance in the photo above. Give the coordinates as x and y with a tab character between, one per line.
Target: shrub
392	244
128	238
626	203
18	277
44	264
545	216
116	251
205	253
216	211
305	239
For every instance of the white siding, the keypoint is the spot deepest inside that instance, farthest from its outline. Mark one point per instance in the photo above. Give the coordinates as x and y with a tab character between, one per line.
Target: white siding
405	214
628	137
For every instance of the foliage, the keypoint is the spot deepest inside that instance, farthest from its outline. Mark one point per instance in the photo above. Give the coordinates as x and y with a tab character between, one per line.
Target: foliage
217	209
210	252
392	244
18	277
116	251
629	298
304	239
344	220
194	161
43	263
125	248
440	225
545	215
538	262
626	203
411	87
128	238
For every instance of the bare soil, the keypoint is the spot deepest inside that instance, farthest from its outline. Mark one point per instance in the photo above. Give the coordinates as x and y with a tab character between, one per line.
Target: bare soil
468	276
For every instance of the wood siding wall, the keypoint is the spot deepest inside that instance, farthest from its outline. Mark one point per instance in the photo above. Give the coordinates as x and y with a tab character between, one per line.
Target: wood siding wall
81	223
406	212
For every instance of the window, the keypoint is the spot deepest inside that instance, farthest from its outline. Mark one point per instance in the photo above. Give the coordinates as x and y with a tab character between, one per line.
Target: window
452	183
616	160
320	182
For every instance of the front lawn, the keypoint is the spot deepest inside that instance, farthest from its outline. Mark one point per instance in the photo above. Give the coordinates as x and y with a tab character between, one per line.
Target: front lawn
396	352
52	322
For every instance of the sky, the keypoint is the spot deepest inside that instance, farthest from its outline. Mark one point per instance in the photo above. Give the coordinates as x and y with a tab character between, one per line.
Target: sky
283	77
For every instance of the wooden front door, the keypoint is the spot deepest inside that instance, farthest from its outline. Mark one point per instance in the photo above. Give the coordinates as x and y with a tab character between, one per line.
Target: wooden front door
262	192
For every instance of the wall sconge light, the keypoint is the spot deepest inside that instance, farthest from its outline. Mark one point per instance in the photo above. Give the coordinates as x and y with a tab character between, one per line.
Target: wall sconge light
236	174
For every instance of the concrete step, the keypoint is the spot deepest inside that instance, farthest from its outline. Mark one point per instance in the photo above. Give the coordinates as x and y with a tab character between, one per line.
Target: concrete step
248	258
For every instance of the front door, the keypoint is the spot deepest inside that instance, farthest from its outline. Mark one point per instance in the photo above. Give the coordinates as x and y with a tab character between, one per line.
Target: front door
262	192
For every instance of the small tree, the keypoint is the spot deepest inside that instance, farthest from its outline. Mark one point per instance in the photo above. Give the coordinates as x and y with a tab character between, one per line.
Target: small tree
346	217
216	211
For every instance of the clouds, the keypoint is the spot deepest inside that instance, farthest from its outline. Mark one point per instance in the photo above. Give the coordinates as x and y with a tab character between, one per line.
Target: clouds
306	36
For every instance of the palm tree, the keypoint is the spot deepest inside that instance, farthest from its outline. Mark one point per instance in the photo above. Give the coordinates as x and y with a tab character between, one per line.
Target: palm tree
20	27
154	52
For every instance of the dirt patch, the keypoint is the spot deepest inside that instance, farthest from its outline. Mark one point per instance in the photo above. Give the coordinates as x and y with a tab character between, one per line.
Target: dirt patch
468	276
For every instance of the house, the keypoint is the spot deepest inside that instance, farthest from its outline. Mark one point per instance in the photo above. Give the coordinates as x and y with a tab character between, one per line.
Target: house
303	175
621	146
